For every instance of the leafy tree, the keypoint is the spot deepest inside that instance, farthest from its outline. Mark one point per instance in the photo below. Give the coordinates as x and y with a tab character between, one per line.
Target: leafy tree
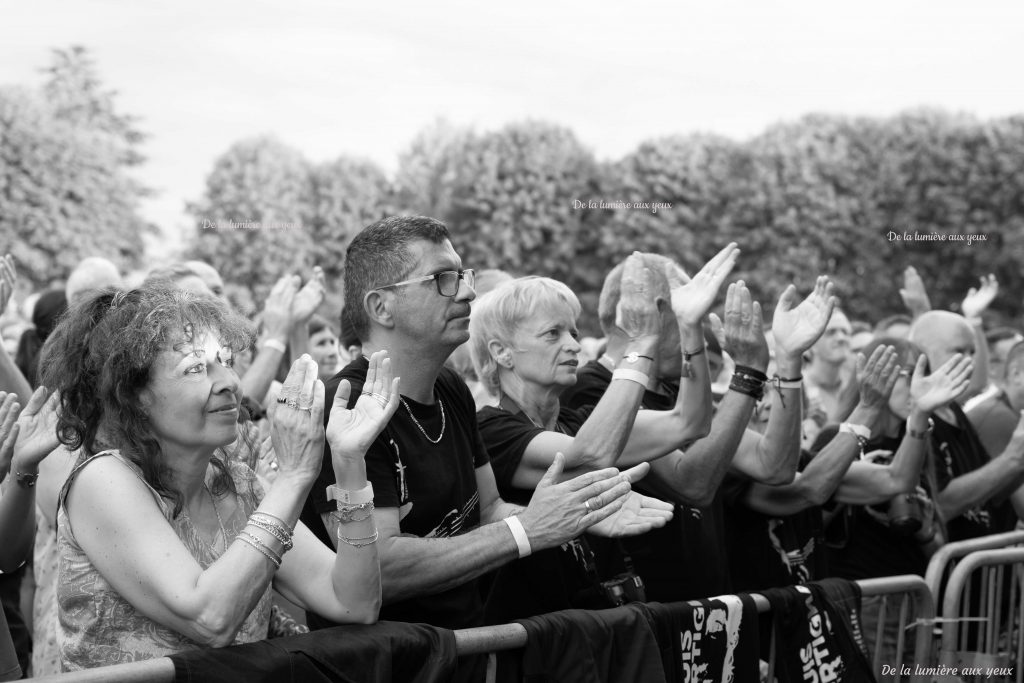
65	187
512	206
255	220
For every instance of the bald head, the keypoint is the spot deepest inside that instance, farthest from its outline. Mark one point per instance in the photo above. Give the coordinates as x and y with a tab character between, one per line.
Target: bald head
941	335
91	274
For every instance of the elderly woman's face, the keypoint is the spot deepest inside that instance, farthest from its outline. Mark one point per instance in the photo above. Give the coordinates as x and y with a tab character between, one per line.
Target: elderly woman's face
193	395
546	347
323	348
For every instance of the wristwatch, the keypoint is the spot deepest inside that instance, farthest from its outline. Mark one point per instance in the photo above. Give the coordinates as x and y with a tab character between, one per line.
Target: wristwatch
346	497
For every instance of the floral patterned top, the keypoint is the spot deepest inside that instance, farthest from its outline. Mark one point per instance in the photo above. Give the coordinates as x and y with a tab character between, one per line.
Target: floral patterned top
97	627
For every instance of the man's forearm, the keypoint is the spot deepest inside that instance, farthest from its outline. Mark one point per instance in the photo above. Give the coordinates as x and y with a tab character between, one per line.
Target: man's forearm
412	566
779	448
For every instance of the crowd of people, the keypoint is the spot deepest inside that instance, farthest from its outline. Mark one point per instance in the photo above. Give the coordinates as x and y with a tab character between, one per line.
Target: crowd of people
447	450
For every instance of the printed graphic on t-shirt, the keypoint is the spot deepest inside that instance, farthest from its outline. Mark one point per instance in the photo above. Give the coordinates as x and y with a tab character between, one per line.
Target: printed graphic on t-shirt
453	522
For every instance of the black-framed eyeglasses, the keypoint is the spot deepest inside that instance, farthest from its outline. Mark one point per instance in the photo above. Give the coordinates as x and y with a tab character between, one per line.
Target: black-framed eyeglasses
447	281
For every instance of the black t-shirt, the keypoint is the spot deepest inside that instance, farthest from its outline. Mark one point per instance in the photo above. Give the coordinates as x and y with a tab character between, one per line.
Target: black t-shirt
958	450
433	486
771	552
686	558
549	580
861	545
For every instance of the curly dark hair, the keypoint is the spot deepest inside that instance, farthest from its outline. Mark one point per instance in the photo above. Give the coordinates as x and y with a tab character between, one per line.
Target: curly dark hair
99	359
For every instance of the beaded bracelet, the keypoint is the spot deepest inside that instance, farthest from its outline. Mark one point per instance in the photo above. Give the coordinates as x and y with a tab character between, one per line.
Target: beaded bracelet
742	384
255	542
280	521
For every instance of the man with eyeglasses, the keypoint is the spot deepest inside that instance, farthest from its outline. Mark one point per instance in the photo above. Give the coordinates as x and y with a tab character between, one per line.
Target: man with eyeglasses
440	520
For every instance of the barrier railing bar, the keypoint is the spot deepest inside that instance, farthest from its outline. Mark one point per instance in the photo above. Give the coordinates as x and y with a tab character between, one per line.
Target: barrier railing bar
958	581
485	639
940	560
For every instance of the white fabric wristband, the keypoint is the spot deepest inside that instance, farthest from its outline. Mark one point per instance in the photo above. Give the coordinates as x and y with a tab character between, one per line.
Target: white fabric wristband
859	431
519	534
275	344
346	497
631	375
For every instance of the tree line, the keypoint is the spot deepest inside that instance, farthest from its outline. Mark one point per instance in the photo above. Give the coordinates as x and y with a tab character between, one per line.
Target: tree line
856	198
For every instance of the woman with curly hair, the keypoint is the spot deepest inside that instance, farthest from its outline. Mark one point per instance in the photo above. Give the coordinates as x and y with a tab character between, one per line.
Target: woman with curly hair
166	543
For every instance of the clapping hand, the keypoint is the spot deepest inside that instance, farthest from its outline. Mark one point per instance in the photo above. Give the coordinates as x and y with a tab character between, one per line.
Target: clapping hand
979	298
277	311
351	431
743	330
797	326
296	428
26	439
638	514
8	278
877	376
637	312
913	293
692	300
931	392
309	298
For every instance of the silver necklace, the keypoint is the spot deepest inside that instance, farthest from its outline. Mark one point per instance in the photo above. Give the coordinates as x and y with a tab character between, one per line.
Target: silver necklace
220	522
420	427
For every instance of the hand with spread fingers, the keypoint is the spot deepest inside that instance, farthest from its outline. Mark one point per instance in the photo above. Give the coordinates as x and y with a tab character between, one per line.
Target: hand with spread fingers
559	512
27	438
350	432
796	326
297	430
691	300
743	329
637	312
978	299
931	392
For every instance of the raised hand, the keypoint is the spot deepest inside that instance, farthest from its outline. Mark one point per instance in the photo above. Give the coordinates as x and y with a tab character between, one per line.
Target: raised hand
559	512
913	293
309	298
8	278
637	313
692	300
9	408
797	326
979	298
350	432
931	392
277	311
296	429
877	376
743	328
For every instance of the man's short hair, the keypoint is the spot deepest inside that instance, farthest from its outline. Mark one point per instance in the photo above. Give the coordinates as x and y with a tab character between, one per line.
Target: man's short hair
884	324
379	256
611	292
92	273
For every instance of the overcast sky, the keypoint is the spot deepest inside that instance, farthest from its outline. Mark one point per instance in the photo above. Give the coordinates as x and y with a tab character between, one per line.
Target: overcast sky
333	78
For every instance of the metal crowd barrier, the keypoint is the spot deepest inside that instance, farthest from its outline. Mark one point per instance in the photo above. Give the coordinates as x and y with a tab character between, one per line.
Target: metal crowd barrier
488	639
982	615
946	557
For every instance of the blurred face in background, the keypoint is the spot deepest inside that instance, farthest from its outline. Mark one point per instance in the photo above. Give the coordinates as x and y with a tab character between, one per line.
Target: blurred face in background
323	348
834	345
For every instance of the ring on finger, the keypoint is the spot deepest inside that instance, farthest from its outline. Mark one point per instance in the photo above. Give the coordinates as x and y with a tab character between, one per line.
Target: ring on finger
292	403
282	399
586	504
